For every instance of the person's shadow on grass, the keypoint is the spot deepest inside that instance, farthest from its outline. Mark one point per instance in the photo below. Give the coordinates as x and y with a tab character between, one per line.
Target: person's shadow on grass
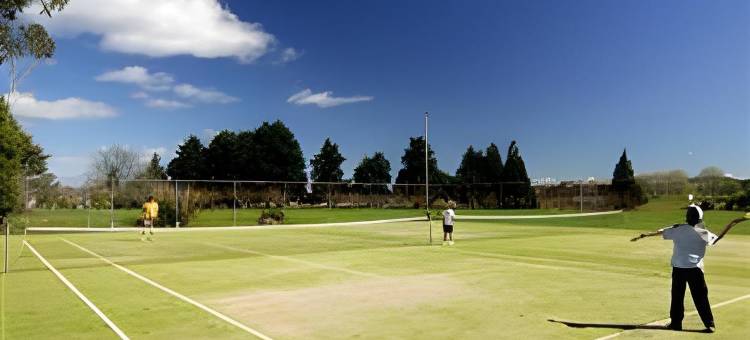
621	326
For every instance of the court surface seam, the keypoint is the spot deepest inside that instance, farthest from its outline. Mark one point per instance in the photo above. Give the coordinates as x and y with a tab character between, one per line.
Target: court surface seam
691	313
78	293
173	293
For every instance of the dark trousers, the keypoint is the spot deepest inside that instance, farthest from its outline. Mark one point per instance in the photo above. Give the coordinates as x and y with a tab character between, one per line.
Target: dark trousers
694	278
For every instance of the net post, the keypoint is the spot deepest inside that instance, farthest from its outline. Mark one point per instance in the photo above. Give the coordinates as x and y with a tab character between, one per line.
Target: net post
234	204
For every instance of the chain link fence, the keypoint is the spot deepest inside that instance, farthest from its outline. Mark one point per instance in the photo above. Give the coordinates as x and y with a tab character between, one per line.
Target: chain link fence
232	203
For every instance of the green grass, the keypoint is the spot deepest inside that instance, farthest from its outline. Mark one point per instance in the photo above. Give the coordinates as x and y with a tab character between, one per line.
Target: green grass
502	279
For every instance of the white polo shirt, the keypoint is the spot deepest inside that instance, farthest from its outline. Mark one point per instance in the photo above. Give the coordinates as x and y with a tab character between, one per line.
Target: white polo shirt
689	244
449	216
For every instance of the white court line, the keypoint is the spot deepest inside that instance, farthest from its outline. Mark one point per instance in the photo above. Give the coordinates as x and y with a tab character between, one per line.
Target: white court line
664	321
175	294
83	298
291	259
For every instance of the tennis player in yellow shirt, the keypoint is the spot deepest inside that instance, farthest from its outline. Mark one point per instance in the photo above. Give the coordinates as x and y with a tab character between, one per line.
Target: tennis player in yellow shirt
150	214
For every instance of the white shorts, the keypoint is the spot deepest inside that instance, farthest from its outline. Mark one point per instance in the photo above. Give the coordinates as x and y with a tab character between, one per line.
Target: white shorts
147	223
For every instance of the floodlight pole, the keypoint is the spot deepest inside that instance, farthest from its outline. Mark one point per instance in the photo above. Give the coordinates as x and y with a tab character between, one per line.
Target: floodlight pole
427	174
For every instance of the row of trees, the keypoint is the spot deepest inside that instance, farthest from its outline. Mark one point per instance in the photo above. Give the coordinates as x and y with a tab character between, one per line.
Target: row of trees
272	153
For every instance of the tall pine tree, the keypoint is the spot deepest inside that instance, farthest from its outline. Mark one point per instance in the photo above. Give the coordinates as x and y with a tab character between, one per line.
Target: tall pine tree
623	177
326	165
221	156
154	170
517	191
190	160
493	164
413	163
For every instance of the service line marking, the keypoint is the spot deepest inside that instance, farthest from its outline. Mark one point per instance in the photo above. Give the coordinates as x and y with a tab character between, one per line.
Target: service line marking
174	293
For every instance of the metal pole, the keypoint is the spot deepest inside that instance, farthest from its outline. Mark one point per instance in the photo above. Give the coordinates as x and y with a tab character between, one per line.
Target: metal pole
176	205
284	195
112	204
187	207
7	235
234	206
427	173
88	206
581	195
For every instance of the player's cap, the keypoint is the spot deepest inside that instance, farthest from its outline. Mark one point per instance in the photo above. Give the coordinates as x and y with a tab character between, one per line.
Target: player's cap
700	211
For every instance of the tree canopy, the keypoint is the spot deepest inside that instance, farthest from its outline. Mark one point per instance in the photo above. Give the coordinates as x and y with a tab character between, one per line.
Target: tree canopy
413	162
375	169
326	165
623	177
190	160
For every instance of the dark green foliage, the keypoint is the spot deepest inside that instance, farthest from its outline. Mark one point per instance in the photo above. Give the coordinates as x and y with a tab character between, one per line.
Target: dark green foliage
154	169
270	152
190	160
623	177
413	162
221	156
326	165
623	182
472	167
517	192
493	165
373	170
11	155
275	154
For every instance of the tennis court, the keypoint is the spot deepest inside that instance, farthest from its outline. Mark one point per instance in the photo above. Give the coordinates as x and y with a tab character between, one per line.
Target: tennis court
501	279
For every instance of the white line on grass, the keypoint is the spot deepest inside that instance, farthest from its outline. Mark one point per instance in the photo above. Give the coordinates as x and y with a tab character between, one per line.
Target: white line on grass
291	259
175	294
664	321
527	217
83	298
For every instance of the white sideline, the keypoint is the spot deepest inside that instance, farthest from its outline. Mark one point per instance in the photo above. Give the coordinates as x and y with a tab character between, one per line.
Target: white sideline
318	225
80	295
664	321
175	294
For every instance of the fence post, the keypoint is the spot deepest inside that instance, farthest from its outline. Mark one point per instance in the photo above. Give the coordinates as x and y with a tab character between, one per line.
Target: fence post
234	205
283	196
112	204
187	207
176	205
5	248
581	195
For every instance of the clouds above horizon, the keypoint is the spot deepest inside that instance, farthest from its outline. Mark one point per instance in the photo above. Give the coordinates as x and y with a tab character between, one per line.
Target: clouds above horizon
200	28
162	82
24	104
324	99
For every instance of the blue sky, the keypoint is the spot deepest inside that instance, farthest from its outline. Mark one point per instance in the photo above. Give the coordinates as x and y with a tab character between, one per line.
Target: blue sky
574	82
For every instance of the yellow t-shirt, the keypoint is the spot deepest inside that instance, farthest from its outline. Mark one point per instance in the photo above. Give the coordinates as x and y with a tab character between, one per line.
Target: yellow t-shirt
150	210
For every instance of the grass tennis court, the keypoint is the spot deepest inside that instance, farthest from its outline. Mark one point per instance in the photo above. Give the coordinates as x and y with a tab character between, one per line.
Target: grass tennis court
502	279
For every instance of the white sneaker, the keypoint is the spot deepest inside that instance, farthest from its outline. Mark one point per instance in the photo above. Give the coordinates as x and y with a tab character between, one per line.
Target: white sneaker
450	243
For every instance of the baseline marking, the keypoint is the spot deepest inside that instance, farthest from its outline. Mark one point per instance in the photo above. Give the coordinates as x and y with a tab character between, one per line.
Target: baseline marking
291	259
174	293
663	321
80	295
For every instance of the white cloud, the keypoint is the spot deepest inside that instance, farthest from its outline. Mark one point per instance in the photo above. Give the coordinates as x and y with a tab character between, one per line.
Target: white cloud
324	99
140	76
289	54
202	95
166	104
201	28
139	95
24	104
68	166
